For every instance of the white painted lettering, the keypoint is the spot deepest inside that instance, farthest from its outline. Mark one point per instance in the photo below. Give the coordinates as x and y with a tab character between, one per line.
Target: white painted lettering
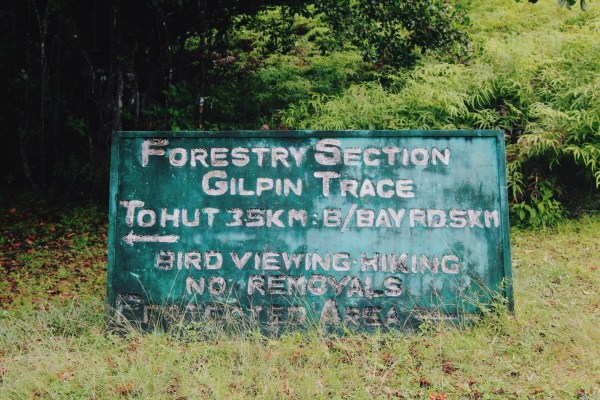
220	186
279	155
256	283
297	215
349	186
332	217
213	259
217	285
141	218
367	188
330	313
365	218
404	188
178	157
436	218
260	152
199	155
263	184
148	150
328	152
341	261
240	263
417	215
298	154
165	216
474	218
185	221
131	206
352	156
450	264
218	157
367	156
419	156
326	176
239	156
210	213
437	155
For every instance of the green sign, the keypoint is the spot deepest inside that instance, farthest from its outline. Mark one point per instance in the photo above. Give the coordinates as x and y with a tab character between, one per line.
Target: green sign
357	229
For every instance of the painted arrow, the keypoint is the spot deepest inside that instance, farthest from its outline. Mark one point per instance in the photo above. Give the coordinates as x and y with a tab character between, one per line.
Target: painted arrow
131	238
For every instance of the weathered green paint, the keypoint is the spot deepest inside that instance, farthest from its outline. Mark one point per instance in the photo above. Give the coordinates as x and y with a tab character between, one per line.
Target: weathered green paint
445	225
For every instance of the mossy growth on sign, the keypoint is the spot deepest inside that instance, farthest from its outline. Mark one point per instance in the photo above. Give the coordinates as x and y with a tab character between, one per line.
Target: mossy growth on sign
351	229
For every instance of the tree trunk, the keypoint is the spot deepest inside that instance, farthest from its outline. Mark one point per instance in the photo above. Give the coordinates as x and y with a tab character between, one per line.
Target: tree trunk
42	25
23	153
118	107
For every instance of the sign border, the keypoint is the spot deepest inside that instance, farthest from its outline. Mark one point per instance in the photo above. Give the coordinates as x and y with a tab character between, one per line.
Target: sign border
118	136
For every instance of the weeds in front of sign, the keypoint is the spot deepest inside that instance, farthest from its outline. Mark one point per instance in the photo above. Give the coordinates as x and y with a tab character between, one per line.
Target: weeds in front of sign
58	347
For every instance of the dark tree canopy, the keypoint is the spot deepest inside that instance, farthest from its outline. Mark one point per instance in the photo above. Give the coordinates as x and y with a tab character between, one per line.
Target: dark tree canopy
75	71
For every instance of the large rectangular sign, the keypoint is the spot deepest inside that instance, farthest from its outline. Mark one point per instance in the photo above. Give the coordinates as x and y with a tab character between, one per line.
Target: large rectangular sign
357	229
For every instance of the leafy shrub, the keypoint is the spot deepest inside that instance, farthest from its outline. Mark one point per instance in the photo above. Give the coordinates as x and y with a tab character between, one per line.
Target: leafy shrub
251	98
541	86
398	32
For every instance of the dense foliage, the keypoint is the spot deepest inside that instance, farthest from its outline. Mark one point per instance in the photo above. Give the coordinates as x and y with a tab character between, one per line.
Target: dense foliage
74	74
390	32
534	75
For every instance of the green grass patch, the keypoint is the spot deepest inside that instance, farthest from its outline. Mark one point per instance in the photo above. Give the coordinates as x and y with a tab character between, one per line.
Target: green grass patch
54	344
50	251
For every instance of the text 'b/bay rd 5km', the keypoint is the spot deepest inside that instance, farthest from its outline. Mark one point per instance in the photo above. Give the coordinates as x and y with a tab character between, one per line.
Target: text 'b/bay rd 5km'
356	229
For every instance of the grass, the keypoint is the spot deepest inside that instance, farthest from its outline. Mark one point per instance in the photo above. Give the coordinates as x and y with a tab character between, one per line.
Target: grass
53	342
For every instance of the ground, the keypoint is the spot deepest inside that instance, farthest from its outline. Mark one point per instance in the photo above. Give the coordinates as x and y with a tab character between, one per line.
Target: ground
54	345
